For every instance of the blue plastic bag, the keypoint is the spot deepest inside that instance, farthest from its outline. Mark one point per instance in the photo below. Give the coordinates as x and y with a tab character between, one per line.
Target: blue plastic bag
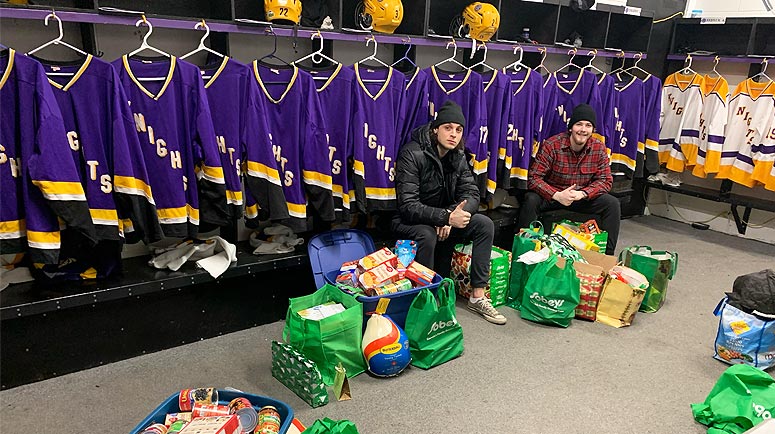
743	337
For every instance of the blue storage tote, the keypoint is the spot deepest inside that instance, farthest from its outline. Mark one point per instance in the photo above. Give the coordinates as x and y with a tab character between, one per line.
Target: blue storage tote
170	405
329	250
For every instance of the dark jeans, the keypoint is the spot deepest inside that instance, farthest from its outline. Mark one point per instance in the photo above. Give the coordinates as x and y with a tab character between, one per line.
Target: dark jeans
480	230
606	206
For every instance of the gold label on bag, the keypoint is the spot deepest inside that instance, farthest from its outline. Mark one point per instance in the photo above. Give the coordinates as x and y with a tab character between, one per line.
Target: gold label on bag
382	305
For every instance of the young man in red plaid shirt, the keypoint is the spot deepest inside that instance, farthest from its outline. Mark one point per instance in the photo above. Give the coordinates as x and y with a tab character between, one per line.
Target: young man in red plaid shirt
571	170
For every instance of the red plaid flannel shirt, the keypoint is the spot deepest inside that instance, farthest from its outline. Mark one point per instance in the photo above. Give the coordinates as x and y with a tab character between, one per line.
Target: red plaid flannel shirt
556	167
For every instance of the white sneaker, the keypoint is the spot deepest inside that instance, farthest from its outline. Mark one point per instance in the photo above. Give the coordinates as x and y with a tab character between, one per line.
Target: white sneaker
484	308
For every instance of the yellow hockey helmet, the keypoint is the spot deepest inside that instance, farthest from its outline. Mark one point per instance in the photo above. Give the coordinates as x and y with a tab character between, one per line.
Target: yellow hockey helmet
288	10
482	20
383	16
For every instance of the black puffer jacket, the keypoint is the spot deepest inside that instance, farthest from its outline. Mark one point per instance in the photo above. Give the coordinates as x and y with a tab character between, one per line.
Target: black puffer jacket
427	187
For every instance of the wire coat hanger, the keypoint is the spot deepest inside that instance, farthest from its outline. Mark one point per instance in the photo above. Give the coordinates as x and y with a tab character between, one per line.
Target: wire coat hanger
517	64
58	40
635	67
543	58
762	73
484	58
273	54
319	52
202	46
373	56
406	55
145	45
572	54
451	59
620	55
590	65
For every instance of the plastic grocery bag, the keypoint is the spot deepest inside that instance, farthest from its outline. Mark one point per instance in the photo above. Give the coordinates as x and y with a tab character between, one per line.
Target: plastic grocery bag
742	398
434	334
743	337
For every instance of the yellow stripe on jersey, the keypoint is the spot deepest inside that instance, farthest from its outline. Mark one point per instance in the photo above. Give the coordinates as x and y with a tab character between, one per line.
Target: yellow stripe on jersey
297	210
131	185
234	197
762	170
12	229
380	193
193	214
8	67
56	190
43	240
104	216
599	137
338	191
264	172
358	167
316	178
509	162
479	167
741	176
623	159
251	211
491	186
501	153
213	174
519	173
172	215
652	144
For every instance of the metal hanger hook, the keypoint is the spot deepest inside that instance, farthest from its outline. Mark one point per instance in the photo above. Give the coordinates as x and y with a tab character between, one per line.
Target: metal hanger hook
370	40
207	31
687	62
59	24
765	62
572	54
150	29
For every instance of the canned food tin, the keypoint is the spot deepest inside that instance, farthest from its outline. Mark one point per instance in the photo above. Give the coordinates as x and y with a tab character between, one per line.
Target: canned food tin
207	410
157	428
268	420
188	397
246	413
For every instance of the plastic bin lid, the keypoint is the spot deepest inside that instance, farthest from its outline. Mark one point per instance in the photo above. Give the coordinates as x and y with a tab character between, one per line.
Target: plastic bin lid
327	251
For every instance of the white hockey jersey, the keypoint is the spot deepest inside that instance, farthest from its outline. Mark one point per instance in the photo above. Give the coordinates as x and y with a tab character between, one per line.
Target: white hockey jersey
712	125
679	120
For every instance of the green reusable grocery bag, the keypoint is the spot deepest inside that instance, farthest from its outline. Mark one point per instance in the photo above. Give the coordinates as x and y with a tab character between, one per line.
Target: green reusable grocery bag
434	334
520	271
299	374
742	398
657	266
552	293
329	426
331	340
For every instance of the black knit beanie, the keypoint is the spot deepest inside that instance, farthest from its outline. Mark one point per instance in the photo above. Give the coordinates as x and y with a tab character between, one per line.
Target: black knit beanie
583	112
449	112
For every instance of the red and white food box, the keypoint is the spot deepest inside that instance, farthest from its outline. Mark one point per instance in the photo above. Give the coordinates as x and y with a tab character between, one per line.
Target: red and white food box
377	276
214	425
419	274
381	256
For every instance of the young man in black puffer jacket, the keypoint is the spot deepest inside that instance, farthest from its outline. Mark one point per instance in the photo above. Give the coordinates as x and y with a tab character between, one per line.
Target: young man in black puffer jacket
438	199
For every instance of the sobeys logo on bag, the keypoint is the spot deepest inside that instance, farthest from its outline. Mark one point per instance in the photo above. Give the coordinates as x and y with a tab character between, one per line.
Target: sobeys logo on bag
762	411
551	302
440	327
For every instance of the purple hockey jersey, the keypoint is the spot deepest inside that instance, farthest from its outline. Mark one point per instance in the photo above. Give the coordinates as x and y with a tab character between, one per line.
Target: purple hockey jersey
39	179
606	85
574	88
629	129
524	121
649	151
104	145
335	91
467	90
242	136
173	122
548	103
378	100
298	135
497	94
415	103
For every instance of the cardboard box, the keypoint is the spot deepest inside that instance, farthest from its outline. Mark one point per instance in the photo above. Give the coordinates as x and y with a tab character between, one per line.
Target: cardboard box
214	425
381	256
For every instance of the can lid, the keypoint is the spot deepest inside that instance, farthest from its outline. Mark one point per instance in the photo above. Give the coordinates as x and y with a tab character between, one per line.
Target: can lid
268	406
